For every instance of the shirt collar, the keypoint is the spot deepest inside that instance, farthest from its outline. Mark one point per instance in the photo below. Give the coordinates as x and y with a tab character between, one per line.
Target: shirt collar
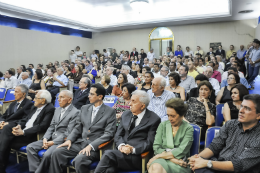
158	96
41	108
248	130
141	115
66	107
97	108
20	101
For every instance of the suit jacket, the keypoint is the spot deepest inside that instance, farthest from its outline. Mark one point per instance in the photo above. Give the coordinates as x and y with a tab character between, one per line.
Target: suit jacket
208	53
42	121
134	54
227	66
101	130
61	128
221	53
142	136
79	101
22	111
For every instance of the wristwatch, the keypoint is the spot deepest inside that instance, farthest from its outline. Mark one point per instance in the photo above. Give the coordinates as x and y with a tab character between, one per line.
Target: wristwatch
253	62
209	164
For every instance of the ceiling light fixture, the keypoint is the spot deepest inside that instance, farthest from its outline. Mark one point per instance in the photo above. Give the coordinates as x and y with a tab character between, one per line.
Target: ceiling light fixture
246	11
138	5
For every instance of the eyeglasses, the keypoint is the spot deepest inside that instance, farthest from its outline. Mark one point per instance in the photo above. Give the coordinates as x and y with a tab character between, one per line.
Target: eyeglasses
36	98
231	78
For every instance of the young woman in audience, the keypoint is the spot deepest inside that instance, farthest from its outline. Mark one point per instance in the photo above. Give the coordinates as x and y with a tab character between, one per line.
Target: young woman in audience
200	110
169	51
68	73
105	80
102	61
132	59
174	81
30	72
122	103
109	63
95	72
224	93
84	55
37	84
206	61
136	60
173	141
147	85
127	54
121	80
82	65
48	80
231	108
179	64
77	76
24	68
178	51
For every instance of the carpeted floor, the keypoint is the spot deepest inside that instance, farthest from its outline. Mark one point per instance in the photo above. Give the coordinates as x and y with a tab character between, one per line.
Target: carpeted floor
13	167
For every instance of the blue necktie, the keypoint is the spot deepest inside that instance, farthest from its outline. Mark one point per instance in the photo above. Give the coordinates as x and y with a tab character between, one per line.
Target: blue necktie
16	107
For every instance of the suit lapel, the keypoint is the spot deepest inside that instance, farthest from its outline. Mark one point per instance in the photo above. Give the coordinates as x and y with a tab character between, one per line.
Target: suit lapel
144	121
21	105
86	91
98	115
57	118
66	113
89	115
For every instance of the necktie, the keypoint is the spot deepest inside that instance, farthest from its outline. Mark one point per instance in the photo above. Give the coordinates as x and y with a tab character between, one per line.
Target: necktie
80	93
16	107
132	125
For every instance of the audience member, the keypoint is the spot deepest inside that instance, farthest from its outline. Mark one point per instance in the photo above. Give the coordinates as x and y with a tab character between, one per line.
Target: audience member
126	70
164	73
81	95
172	67
231	108
150	56
39	66
171	149
147	85
214	82
18	75
37	84
72	67
174	81
113	79
96	73
241	52
200	110
96	118
121	80
158	97
199	51
197	66
254	62
77	76
88	66
224	94
206	61
73	56
68	73
25	79
146	62
135	135
23	131
10	81
105	81
221	64
93	55
192	70
32	67
178	51
188	52
230	52
2	82
78	52
48	80
220	51
235	148
215	74
234	70
187	82
30	72
169	51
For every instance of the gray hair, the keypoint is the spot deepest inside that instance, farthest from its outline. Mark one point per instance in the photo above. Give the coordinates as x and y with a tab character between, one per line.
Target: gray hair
110	68
68	93
24	89
45	95
166	68
126	67
162	81
143	97
87	81
61	69
210	68
25	73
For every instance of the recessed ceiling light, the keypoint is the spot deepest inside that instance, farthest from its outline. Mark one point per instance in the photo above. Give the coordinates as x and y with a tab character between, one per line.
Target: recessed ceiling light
246	11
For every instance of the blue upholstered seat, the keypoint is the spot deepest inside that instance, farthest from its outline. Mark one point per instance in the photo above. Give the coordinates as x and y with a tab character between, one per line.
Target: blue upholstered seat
41	153
56	104
110	100
196	140
23	149
75	88
9	95
219	115
2	93
91	167
210	134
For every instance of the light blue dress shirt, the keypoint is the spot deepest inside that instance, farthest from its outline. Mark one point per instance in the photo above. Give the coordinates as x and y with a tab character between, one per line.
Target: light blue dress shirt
27	82
242	81
61	78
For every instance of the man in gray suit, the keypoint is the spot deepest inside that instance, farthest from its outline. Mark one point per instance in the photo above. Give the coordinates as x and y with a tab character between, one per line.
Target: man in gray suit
63	122
96	124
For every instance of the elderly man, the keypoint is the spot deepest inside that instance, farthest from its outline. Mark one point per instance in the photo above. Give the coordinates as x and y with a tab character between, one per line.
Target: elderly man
221	64
25	79
19	71
88	66
234	70
135	135
216	74
150	55
164	73
37	121
63	122
187	82
214	82
96	124
192	70
81	95
113	79
158	97
236	148
10	81
241	52
231	60
126	69
60	80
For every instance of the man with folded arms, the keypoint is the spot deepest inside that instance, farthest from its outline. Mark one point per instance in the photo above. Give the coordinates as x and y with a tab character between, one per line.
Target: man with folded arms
26	129
134	136
236	148
96	124
61	125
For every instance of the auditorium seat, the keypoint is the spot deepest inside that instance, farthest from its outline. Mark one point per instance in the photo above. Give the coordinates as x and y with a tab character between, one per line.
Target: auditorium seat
63	88
110	100
196	140
210	134
219	115
9	98
2	93
56	104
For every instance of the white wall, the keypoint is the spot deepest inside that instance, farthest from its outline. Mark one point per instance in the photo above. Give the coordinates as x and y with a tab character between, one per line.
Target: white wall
20	46
235	32
257	32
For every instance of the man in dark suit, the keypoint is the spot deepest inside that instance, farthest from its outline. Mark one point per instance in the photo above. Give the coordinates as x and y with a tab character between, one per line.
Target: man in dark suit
96	124
211	52
63	122
134	136
81	95
134	53
26	129
220	51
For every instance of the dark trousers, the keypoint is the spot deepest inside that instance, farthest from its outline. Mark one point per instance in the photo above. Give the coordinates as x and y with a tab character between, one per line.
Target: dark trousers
8	141
54	91
252	73
114	160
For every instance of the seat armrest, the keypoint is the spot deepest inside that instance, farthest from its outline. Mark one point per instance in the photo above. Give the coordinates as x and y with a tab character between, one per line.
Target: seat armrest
105	144
8	101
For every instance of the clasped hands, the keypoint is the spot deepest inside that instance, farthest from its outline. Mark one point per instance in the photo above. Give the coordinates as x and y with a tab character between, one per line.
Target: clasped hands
2	124
17	131
47	144
196	162
86	150
127	149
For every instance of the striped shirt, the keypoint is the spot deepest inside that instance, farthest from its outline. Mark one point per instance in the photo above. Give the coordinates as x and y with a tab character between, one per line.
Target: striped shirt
157	104
240	147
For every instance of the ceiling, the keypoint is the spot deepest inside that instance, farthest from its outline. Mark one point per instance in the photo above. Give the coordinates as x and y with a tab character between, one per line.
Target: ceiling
111	15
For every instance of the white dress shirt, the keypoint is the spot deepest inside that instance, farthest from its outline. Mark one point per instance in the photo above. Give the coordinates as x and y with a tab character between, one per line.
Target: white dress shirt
137	122
215	84
78	53
113	80
73	57
19	78
158	74
29	123
12	82
150	56
63	110
130	79
188	53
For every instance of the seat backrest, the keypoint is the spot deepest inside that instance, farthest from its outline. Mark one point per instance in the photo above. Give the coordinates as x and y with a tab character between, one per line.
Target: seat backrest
196	140
2	93
211	133
56	104
9	95
219	115
110	100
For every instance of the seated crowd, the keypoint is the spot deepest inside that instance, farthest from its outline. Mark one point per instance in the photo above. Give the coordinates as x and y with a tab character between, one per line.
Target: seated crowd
157	100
